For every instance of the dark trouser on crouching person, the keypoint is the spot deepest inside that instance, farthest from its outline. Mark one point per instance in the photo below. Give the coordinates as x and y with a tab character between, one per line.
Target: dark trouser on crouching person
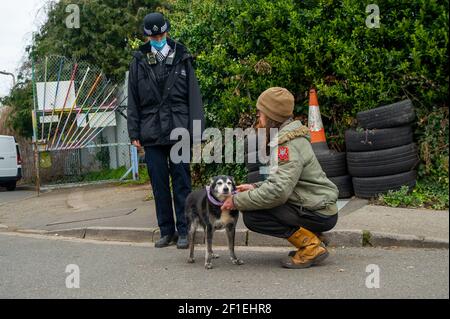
163	94
299	226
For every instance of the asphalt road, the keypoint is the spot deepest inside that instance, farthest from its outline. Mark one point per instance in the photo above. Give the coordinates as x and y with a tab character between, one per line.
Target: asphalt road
34	267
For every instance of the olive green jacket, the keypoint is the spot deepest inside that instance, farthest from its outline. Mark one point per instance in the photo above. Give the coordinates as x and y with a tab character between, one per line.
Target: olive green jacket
296	178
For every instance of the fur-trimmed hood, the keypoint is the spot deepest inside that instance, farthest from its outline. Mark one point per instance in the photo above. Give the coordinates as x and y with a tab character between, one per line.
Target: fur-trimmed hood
291	129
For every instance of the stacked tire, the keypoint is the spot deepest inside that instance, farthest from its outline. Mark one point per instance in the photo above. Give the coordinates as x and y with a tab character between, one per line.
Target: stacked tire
335	167
381	154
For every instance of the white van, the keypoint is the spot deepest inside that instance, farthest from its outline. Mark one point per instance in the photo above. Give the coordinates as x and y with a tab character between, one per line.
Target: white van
10	162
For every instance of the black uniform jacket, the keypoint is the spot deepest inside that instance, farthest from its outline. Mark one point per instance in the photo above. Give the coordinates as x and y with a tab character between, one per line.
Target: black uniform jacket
155	109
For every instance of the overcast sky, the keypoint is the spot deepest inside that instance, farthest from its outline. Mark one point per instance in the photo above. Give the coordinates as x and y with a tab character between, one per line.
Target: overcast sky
18	20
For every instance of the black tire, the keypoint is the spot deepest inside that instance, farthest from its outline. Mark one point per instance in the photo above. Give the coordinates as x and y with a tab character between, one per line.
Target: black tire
344	184
369	187
254	177
320	147
11	186
382	162
391	115
333	163
360	140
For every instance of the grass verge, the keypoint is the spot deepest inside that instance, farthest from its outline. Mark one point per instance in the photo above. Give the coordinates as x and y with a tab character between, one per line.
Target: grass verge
424	195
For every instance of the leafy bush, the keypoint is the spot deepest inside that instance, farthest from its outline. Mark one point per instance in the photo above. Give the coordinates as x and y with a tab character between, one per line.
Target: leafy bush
244	47
21	102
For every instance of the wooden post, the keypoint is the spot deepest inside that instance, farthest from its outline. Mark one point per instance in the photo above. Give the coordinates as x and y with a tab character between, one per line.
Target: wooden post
37	164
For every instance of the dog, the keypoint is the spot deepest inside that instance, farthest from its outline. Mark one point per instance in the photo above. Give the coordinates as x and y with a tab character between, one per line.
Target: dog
203	208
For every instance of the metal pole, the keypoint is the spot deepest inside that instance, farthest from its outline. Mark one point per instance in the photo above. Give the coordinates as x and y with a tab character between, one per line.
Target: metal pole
89	119
34	122
61	63
87	136
80	109
73	106
89	139
45	94
134	162
72	78
76	133
11	74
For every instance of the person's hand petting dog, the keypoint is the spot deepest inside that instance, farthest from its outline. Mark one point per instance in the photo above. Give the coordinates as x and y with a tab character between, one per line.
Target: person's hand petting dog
245	187
228	203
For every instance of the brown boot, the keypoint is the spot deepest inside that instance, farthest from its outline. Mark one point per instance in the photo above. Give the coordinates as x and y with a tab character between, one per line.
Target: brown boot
324	243
310	251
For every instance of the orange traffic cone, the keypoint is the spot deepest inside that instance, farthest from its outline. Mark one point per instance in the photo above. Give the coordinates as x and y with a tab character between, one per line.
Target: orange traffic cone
315	124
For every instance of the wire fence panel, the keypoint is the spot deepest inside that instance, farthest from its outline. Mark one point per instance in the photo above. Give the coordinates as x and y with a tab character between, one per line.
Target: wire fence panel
90	164
79	130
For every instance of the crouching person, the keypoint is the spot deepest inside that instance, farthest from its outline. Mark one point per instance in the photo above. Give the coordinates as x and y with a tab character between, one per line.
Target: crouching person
296	201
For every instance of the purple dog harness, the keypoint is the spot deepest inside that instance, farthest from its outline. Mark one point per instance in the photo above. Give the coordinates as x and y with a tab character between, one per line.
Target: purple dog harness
211	199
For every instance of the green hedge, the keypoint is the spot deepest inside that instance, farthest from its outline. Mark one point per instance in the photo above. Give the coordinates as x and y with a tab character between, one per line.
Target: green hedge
244	47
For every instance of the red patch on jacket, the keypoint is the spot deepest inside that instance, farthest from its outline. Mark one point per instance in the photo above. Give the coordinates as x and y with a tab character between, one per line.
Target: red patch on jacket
283	153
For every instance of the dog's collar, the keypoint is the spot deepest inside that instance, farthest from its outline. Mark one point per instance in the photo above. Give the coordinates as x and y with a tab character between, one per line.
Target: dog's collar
211	198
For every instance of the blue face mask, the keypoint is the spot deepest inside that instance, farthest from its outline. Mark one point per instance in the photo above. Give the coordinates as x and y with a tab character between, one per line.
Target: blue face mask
158	45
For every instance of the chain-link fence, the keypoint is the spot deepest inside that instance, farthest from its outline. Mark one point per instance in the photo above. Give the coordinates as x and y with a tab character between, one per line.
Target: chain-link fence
79	124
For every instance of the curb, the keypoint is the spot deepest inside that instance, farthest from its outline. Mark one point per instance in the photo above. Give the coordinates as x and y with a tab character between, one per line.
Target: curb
27	187
51	187
244	237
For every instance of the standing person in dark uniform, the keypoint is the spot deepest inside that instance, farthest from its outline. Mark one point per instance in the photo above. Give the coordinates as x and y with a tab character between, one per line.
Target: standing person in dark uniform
163	94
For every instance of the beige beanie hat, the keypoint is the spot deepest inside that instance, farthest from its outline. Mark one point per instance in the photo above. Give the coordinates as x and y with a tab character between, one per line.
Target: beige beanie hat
277	103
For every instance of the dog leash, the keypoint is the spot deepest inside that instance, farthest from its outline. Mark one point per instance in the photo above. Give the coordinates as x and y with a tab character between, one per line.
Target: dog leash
212	199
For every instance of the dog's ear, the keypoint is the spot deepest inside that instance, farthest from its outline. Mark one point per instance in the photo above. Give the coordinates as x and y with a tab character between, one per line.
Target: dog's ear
211	181
232	180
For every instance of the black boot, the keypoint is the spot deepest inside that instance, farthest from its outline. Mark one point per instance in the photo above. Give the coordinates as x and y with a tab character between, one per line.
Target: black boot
165	241
183	242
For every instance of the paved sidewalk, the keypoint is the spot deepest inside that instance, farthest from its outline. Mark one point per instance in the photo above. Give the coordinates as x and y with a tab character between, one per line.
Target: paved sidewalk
127	213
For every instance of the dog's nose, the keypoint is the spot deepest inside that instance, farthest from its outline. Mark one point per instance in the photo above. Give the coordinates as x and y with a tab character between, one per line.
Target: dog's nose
225	189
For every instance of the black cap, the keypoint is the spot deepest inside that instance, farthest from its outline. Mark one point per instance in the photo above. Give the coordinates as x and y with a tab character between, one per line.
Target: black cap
155	23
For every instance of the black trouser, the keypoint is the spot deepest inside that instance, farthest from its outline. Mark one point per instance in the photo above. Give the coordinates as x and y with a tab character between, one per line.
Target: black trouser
282	221
159	167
